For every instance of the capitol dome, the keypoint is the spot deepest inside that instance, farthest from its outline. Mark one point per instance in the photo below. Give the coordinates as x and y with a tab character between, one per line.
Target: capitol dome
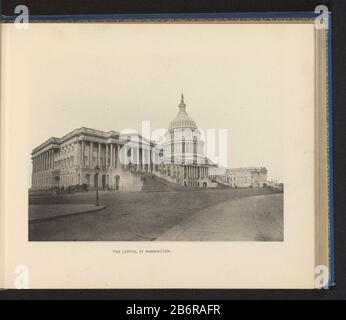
182	119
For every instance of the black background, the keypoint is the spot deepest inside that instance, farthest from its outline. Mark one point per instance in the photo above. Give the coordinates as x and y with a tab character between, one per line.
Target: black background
338	8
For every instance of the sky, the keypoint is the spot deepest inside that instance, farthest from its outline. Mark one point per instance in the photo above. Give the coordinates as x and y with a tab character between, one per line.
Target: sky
114	76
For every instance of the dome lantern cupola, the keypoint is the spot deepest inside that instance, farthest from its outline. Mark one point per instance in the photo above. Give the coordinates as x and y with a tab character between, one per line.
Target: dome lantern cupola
182	120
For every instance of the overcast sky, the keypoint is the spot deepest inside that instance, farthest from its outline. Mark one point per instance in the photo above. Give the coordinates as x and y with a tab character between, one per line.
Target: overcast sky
111	77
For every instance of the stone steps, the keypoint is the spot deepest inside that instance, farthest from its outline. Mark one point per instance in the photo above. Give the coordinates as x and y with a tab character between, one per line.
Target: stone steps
153	183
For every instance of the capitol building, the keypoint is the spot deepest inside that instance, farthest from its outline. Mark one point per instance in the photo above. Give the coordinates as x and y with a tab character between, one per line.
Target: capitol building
114	161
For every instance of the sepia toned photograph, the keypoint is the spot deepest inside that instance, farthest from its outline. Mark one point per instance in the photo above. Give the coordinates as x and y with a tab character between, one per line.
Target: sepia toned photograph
169	150
156	132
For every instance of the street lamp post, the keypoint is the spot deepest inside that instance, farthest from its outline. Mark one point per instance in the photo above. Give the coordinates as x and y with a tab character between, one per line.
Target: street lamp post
97	185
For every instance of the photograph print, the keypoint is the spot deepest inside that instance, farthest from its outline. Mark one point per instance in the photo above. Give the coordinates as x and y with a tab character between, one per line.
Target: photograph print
155	132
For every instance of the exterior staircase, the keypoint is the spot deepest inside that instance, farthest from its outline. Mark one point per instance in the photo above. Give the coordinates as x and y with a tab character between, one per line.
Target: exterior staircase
153	183
222	185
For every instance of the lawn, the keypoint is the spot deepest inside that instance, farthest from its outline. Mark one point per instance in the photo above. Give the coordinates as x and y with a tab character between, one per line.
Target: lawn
140	216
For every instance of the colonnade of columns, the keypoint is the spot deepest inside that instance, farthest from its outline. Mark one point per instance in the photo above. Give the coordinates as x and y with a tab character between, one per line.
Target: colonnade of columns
196	172
112	150
42	165
140	158
43	161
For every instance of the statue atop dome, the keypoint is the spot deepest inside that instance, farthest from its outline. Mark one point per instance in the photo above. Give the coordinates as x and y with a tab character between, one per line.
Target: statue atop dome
182	105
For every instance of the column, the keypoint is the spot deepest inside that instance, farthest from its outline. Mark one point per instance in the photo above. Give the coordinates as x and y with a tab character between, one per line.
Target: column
147	159
150	160
137	158
140	158
118	157
55	157
76	153
114	157
133	157
99	155
44	169
51	168
111	164
109	156
106	156
82	154
126	160
91	155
